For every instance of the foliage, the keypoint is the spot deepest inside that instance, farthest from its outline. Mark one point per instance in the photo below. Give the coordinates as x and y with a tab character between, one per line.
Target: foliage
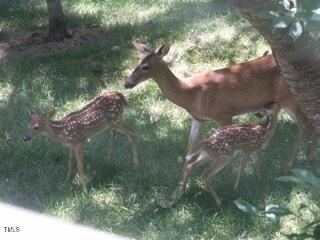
274	212
296	19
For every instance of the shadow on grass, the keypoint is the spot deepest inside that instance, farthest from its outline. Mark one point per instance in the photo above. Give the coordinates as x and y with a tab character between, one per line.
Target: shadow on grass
158	155
30	178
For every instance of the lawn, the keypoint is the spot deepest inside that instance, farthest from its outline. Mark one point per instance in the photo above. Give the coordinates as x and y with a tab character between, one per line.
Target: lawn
204	35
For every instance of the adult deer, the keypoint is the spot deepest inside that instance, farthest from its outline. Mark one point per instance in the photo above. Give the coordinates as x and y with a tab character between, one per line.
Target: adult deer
221	94
104	111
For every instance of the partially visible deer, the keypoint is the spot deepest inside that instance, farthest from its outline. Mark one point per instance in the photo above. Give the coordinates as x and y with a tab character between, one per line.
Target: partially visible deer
221	94
223	143
104	111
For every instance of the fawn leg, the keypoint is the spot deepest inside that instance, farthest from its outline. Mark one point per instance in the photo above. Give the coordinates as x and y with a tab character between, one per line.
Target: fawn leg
215	167
254	157
189	167
243	164
111	144
79	155
70	163
122	127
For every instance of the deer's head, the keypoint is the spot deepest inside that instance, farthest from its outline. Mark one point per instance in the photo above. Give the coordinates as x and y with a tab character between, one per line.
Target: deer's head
147	66
38	123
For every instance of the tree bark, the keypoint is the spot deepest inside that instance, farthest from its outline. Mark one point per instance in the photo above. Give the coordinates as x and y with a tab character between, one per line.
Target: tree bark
57	28
299	61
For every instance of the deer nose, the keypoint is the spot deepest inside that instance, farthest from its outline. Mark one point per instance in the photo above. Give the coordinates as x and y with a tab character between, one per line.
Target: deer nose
26	138
128	84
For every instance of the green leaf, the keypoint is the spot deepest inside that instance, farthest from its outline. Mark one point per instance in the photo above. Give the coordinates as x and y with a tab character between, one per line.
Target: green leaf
281	22
291	13
306	176
245	207
274	212
267	14
315	16
313	27
291	179
285	4
275	209
309	5
272	217
295	30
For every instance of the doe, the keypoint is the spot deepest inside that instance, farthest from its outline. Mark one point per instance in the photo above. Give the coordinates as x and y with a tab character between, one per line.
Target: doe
221	94
104	111
222	144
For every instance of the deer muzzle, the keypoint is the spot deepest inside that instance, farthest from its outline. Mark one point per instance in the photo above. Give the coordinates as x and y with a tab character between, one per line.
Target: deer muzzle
128	83
27	137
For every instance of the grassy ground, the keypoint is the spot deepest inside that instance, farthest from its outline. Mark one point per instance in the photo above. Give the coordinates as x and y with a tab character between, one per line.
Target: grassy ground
204	35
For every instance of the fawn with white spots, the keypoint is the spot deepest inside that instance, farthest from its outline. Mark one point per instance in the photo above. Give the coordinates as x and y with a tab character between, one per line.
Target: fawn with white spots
223	143
104	111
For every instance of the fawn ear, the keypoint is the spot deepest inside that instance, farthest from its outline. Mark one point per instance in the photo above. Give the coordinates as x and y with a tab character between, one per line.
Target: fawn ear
30	111
50	112
143	48
163	50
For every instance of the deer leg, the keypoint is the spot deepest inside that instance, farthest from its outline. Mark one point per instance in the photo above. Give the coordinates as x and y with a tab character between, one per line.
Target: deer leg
295	149
129	132
254	157
79	155
214	169
243	164
111	144
70	163
196	127
189	167
312	146
195	132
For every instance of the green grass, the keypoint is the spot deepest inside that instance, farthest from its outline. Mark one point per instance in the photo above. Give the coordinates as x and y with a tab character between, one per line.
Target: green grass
205	35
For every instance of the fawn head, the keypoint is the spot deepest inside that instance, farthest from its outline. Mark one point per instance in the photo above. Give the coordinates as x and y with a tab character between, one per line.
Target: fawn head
147	65
268	111
38	123
271	109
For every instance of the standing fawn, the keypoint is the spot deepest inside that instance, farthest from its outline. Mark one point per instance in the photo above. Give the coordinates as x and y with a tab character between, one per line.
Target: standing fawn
104	111
222	144
221	94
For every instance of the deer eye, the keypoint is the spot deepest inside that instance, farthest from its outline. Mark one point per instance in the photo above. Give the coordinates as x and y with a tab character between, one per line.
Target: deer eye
145	67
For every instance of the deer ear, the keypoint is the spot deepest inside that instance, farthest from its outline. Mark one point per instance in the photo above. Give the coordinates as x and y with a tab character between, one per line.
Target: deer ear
143	48
50	112
163	50
30	111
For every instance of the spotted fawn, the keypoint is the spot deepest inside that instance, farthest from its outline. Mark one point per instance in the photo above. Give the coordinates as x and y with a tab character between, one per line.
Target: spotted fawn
104	111
222	144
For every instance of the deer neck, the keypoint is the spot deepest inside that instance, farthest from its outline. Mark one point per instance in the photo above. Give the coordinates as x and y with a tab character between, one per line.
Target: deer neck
174	89
54	130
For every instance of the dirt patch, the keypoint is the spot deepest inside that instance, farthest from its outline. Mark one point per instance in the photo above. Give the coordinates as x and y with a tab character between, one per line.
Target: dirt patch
30	44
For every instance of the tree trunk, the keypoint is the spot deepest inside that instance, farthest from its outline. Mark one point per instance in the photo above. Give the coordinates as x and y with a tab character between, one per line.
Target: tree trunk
299	61
57	28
